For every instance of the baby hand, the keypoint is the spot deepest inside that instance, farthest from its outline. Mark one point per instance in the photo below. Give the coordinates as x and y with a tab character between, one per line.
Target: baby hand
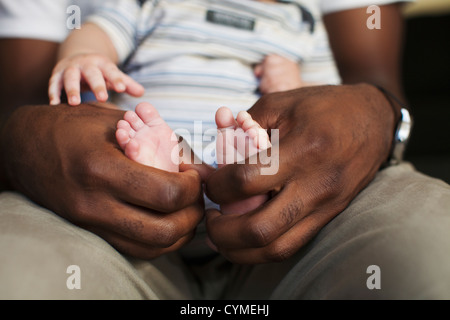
96	71
277	73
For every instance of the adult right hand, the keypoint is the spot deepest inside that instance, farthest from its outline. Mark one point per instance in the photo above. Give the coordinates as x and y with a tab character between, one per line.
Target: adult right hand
67	160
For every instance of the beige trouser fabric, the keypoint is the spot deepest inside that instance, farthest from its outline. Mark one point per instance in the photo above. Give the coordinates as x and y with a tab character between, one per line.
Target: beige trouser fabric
392	242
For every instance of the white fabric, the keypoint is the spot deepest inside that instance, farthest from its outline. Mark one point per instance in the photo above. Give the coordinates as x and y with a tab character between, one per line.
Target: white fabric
39	19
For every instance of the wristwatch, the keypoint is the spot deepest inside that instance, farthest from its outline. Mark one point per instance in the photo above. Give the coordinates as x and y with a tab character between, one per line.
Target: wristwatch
402	132
401	137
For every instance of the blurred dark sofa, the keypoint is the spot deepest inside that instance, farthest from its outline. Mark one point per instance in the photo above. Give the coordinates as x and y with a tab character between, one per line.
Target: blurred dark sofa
426	78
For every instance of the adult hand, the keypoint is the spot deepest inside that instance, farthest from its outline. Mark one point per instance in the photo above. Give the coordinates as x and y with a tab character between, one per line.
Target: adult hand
67	160
332	141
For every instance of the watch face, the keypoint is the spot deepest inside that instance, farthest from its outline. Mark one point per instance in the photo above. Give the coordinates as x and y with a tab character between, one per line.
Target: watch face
404	128
401	137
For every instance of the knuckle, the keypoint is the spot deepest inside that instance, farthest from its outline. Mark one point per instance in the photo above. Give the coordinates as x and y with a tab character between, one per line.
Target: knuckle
333	181
81	210
320	142
71	74
88	58
279	252
168	234
243	176
90	171
330	185
71	70
170	196
91	71
292	211
112	69
260	233
317	148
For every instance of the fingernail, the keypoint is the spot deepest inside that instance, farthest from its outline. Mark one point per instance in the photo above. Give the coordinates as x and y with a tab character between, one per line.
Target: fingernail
74	100
102	96
120	86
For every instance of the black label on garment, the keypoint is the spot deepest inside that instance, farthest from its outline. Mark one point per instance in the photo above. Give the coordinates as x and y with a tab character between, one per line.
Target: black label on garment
230	20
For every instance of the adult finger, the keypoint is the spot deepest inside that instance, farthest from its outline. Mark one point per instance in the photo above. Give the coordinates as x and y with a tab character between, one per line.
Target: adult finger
135	248
276	230
283	247
262	173
261	226
141	185
138	224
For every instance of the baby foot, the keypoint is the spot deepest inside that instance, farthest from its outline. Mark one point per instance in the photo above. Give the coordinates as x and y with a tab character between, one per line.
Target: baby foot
237	140
146	138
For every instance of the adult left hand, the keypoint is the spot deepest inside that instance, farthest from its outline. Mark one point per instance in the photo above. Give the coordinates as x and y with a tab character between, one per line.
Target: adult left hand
332	141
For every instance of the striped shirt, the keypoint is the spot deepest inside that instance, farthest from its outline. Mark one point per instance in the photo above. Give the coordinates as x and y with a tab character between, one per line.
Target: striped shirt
193	56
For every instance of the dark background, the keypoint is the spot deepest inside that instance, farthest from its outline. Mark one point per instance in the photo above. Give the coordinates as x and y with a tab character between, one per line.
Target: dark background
426	78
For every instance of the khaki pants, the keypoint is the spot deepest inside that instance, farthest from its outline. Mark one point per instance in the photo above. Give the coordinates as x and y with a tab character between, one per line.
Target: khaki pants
392	242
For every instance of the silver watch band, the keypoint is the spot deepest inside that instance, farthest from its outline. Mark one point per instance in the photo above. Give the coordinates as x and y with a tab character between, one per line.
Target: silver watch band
401	137
402	132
